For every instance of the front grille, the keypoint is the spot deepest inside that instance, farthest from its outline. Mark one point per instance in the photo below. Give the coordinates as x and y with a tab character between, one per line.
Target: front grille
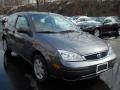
96	56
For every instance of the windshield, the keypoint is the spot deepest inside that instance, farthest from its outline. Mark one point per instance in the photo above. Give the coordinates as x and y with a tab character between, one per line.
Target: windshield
117	19
83	19
52	23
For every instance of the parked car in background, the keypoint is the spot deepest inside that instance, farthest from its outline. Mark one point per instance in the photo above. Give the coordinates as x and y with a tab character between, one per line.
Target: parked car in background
1	16
87	24
99	19
1	19
55	47
1	29
110	26
73	19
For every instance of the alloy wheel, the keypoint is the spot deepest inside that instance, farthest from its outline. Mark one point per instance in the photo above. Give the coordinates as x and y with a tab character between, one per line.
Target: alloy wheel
39	69
97	33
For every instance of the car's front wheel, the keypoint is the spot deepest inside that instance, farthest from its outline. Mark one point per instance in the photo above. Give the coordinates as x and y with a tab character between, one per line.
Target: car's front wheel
39	68
97	33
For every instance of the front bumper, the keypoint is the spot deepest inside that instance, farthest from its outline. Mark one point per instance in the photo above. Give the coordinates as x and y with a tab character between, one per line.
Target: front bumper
109	33
73	71
84	73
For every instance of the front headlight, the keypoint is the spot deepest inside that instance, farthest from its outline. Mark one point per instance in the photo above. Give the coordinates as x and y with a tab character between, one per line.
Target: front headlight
70	56
110	50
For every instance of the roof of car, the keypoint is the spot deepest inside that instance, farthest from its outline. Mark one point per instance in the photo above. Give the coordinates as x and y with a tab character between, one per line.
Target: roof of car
34	12
110	18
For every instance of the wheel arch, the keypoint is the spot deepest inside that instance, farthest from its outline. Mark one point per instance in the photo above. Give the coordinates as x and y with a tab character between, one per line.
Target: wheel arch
39	53
36	52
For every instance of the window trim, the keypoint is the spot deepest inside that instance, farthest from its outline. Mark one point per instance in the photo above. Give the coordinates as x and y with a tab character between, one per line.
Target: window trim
107	20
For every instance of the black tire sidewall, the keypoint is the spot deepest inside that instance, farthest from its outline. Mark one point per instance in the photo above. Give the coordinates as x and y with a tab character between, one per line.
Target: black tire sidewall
7	50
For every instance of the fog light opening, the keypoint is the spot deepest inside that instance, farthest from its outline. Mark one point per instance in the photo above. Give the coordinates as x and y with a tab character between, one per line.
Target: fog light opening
56	66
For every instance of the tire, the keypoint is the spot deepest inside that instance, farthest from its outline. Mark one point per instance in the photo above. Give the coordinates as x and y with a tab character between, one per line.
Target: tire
118	32
5	48
7	52
7	59
97	33
40	69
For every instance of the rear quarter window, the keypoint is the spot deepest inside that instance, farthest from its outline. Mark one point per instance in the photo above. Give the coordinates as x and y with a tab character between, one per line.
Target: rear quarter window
12	20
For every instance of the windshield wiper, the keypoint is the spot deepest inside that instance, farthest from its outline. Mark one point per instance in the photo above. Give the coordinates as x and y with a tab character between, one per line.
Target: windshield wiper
46	32
67	31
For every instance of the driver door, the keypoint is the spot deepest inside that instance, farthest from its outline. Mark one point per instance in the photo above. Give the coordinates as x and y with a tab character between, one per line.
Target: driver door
107	25
23	43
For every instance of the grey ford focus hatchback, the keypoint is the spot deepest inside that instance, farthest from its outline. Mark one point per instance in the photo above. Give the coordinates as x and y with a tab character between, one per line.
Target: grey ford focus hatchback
55	47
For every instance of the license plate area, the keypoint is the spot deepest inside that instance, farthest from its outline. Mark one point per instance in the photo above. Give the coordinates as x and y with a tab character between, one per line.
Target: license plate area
102	67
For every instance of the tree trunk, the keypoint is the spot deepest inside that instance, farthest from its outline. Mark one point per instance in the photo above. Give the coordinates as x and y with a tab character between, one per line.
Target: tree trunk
37	3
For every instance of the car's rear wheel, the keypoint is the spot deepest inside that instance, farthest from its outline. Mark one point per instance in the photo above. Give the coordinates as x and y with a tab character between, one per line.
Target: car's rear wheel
5	47
39	68
97	32
7	53
119	31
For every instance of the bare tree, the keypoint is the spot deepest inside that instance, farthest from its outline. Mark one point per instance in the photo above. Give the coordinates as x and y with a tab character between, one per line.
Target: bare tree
38	2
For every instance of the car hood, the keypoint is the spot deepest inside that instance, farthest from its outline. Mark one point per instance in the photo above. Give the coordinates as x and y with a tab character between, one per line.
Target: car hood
92	21
81	43
89	23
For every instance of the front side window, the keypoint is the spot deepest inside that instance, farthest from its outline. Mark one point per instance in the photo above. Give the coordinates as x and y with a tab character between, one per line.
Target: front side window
22	23
54	23
108	21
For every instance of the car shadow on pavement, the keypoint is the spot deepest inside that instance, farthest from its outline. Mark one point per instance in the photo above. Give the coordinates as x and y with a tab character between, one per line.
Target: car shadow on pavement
21	77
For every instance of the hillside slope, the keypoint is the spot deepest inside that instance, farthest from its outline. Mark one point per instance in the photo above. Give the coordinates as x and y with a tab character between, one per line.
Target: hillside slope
77	7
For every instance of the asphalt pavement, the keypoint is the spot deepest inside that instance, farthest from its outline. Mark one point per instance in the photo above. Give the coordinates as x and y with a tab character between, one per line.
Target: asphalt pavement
16	74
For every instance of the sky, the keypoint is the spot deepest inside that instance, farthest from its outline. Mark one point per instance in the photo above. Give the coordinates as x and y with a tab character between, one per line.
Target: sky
32	1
